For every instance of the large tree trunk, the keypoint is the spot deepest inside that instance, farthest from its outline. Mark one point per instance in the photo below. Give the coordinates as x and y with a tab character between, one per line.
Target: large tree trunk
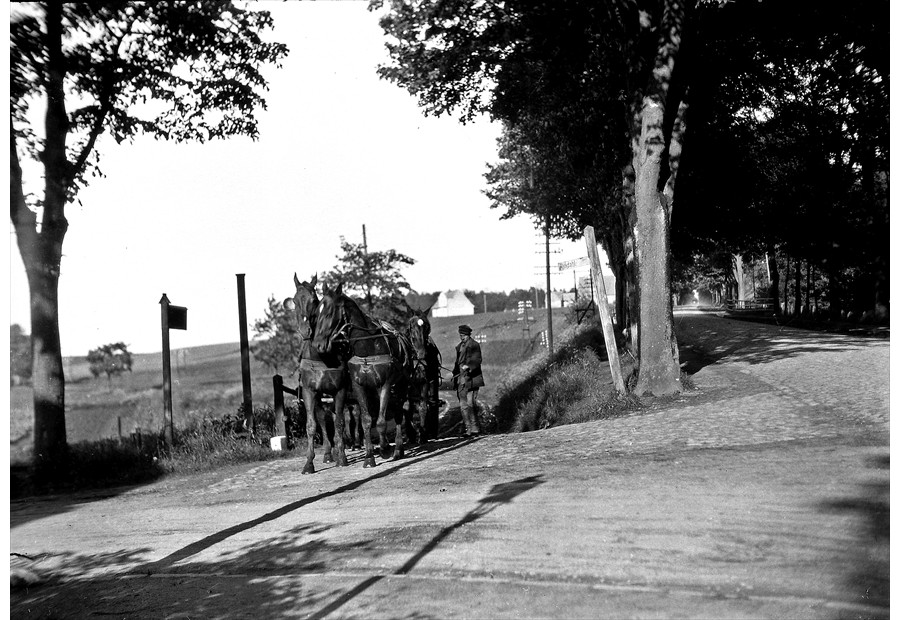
737	269
41	253
659	369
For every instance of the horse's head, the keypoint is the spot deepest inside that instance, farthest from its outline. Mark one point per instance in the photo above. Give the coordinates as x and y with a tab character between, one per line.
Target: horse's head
329	318
303	304
418	329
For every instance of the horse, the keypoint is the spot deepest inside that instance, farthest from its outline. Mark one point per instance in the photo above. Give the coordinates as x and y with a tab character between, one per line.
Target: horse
320	373
380	357
426	377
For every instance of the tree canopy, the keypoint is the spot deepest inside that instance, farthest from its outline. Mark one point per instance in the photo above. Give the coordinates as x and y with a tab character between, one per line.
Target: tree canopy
375	278
170	70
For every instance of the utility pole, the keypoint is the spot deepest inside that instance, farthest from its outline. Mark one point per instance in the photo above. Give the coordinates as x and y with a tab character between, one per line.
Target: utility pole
366	270
549	301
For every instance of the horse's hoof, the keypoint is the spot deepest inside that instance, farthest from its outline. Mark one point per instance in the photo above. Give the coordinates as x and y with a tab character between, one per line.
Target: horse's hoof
327	458
309	468
398	454
386	453
369	462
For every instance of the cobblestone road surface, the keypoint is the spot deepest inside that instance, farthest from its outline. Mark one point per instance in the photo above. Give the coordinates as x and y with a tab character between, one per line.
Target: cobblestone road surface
763	493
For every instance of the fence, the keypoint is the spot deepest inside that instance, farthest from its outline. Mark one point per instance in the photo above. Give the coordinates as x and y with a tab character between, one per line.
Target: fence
750	305
282	423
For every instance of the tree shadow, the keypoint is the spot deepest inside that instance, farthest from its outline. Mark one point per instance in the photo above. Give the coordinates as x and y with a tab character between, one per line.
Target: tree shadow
869	578
498	495
260	578
706	339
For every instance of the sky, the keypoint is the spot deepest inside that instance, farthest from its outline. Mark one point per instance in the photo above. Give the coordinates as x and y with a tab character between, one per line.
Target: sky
338	149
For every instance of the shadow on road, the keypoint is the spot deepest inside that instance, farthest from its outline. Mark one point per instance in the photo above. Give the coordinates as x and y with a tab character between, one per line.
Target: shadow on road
247	582
498	495
705	339
870	558
214	539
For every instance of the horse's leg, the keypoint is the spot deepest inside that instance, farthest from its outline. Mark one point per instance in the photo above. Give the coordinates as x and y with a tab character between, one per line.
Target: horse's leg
421	423
327	433
340	454
384	395
363	403
356	427
309	401
399	419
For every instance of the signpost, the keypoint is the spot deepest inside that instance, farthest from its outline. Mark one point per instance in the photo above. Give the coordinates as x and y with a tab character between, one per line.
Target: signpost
584	261
172	317
609	335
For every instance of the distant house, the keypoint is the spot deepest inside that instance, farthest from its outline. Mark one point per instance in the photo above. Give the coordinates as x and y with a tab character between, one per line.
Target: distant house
562	299
452	303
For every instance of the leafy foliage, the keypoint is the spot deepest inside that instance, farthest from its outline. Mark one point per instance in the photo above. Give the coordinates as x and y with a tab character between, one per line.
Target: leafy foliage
277	346
174	71
373	277
110	359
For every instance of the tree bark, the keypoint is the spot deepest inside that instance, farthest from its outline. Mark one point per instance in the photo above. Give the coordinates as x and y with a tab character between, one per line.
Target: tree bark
798	293
42	252
774	279
659	370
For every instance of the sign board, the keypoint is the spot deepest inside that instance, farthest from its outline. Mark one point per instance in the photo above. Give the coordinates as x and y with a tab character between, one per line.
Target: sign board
576	262
177	317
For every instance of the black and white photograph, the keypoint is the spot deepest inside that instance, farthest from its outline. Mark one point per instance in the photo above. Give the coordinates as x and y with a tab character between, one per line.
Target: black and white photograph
415	309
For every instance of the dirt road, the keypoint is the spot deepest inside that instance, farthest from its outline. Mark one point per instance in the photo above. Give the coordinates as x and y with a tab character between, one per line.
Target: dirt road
765	493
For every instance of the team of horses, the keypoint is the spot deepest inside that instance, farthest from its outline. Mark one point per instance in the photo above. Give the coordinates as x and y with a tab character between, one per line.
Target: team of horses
349	356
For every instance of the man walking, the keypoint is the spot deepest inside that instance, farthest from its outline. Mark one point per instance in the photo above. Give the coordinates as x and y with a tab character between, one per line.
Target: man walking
467	378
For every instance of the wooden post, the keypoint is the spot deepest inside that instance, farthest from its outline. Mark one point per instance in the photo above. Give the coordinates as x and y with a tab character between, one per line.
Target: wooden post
599	291
167	373
278	388
245	354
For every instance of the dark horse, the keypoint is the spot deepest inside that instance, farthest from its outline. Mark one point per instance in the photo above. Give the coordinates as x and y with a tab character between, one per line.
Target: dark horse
380	358
426	377
320	373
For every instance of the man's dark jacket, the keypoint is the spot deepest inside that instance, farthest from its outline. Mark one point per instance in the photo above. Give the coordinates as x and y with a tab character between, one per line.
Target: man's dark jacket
469	353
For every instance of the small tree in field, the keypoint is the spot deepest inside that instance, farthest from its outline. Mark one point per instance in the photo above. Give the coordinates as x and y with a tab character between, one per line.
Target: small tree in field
373	278
278	346
110	359
79	70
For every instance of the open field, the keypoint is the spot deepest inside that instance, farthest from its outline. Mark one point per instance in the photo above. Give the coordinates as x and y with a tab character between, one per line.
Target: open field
206	381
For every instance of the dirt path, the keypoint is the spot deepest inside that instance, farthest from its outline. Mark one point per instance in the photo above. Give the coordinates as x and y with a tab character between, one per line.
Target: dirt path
765	493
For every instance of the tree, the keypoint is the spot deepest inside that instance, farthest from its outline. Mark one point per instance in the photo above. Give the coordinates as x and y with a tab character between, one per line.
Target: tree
171	70
19	354
374	278
279	347
110	359
507	59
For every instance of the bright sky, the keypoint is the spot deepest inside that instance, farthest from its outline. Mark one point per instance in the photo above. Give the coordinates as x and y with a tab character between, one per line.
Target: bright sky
338	148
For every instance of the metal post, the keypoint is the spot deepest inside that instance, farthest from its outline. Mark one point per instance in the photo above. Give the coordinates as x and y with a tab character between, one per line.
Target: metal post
549	302
245	354
167	372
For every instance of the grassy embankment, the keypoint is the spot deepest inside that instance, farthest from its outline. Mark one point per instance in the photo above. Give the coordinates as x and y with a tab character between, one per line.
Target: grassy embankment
524	391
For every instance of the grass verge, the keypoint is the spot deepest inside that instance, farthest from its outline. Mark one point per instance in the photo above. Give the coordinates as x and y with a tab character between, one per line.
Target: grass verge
573	386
